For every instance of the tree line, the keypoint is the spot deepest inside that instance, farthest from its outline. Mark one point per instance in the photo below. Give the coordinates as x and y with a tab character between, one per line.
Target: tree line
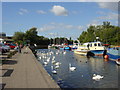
31	37
108	34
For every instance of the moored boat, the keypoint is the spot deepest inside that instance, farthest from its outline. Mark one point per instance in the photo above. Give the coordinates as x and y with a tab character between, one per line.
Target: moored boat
91	48
114	54
82	50
67	48
97	48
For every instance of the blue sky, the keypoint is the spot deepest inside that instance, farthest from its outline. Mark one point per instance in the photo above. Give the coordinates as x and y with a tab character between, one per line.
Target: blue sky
54	19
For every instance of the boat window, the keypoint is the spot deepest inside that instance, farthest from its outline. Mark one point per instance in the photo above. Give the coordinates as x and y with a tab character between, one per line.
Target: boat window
90	45
95	44
99	44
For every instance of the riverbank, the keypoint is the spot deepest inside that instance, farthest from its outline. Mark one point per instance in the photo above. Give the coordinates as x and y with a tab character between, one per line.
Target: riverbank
24	71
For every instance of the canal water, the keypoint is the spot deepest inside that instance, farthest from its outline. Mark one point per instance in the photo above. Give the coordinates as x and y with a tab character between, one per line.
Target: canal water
82	77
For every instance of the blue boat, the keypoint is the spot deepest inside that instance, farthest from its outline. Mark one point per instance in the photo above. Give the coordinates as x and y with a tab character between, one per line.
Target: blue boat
61	48
67	48
98	52
114	54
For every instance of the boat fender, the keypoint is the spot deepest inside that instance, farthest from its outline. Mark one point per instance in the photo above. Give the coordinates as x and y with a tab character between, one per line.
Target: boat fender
106	57
104	53
118	60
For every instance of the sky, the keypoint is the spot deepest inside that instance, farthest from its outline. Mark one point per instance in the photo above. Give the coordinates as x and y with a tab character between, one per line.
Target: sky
56	19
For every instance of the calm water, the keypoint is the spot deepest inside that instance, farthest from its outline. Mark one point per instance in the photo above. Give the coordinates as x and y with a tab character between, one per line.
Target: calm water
85	68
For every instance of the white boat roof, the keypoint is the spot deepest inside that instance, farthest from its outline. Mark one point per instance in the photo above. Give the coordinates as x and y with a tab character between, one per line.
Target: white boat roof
96	42
91	42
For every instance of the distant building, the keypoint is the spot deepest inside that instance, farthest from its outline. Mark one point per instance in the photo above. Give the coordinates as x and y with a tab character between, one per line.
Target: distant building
5	39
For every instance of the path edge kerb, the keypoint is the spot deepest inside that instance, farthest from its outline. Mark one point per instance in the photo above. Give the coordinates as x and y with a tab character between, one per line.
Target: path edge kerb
45	73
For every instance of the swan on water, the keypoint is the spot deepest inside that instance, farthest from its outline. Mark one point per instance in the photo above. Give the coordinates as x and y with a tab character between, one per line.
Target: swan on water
40	57
53	71
45	63
56	67
97	77
53	61
57	53
71	68
57	63
48	59
64	52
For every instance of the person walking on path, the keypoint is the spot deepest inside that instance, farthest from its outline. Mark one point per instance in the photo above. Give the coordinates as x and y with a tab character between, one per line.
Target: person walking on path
18	48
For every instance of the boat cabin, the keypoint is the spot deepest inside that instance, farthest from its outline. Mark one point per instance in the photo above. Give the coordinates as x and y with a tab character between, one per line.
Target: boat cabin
95	46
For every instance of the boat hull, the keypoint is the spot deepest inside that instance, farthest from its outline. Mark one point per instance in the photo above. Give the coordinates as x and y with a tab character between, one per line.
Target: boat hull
114	54
113	57
84	53
97	52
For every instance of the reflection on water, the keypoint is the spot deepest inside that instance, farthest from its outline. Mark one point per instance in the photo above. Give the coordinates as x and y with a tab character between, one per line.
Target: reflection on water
85	68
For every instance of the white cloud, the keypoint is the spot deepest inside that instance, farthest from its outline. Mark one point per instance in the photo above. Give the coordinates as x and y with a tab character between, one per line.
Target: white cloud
41	12
59	26
109	5
109	16
52	34
69	26
94	23
59	10
22	11
80	27
46	28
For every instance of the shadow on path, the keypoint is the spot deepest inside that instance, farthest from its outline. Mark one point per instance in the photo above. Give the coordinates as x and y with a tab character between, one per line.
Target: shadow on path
10	62
8	73
2	86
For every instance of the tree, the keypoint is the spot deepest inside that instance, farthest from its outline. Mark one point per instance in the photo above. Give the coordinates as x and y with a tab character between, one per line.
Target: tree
31	35
19	37
108	34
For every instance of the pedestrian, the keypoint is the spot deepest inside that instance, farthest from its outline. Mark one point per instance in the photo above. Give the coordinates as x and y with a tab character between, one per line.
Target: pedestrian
19	48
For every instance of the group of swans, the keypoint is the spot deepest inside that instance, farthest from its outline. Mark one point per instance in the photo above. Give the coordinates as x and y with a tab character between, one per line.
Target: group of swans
56	65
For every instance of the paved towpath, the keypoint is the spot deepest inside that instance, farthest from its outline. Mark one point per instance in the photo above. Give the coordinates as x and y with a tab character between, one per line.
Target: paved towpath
24	71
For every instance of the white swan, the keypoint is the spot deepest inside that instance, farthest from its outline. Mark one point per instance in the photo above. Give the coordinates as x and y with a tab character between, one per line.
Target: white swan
64	52
71	68
53	61
56	67
57	53
45	63
40	57
53	58
97	77
48	59
53	71
57	63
